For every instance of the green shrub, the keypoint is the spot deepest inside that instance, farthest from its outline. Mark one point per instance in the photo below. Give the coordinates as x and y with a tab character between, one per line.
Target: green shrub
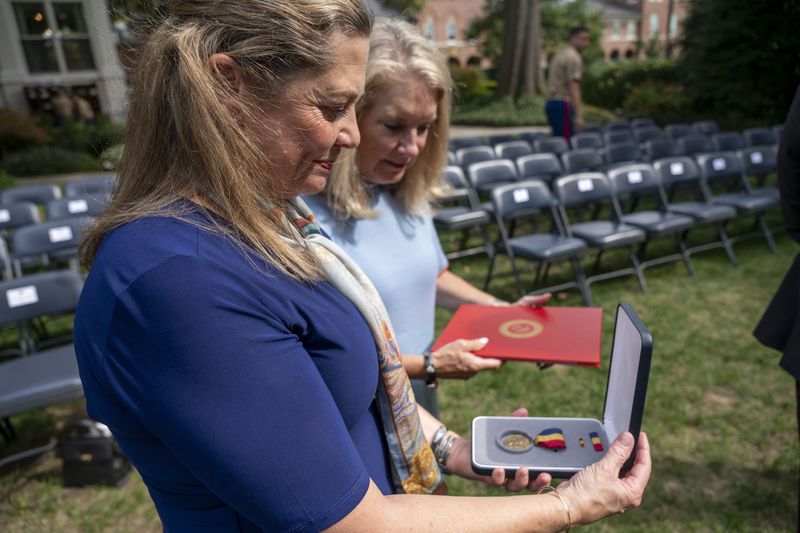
47	160
18	132
502	111
663	102
78	137
6	179
111	156
470	84
608	84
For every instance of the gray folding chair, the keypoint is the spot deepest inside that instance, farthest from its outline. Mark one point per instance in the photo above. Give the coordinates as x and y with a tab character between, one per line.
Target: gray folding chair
656	149
705	127
759	137
682	174
35	194
512	149
760	162
465	215
17	215
39	378
623	153
640	181
643	122
578	191
485	176
99	187
582	160
532	200
643	135
474	154
675	131
539	166
729	141
464	142
694	144
550	145
618	137
586	140
51	241
726	169
76	206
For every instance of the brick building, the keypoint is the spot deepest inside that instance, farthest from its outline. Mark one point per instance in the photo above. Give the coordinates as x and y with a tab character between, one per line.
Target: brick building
631	26
446	22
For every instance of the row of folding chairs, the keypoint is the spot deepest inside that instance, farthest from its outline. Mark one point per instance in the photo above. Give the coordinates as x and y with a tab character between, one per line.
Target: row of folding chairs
717	187
758	162
618	146
45	193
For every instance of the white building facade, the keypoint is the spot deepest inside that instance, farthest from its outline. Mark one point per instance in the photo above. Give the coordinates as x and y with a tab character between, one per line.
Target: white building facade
50	44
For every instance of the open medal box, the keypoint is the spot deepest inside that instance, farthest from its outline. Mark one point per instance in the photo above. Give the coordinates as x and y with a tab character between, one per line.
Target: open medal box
564	446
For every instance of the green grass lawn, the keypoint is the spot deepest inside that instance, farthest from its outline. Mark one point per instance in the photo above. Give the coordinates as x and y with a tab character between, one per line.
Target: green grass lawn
720	413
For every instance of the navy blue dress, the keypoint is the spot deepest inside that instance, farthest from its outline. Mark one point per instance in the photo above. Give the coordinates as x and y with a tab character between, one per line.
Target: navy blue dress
244	398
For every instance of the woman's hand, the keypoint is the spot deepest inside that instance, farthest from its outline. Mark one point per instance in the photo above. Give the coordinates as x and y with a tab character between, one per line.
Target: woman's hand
533	300
459	462
598	490
455	360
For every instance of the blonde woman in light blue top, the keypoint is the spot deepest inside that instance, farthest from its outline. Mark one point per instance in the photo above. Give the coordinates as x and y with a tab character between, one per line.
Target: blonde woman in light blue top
376	204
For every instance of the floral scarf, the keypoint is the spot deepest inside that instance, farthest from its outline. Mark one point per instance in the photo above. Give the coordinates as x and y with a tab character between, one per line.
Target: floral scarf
414	466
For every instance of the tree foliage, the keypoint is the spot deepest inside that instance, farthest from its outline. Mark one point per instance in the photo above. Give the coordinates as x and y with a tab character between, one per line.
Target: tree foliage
741	59
556	20
408	7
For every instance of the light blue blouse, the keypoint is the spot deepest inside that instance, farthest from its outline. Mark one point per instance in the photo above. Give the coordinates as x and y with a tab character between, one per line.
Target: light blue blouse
401	255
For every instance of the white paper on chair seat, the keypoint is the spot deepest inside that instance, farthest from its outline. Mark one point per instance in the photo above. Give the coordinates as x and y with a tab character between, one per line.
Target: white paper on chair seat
756	158
521	195
585	185
77	206
60	234
5	215
676	169
634	177
22	296
718	163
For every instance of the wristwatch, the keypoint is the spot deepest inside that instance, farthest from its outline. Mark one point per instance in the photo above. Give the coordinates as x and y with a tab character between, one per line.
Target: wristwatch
430	369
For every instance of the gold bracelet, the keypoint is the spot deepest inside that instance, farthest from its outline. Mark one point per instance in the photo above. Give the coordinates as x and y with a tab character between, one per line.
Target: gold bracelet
549	489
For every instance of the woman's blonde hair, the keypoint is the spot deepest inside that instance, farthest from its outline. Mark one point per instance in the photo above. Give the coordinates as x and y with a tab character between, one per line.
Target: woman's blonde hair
397	53
183	135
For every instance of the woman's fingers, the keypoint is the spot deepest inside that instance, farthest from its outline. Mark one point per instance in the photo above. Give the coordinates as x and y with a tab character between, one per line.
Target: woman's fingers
619	451
534	300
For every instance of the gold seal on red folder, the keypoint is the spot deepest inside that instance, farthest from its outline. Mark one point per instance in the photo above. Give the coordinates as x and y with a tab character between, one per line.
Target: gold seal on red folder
520	329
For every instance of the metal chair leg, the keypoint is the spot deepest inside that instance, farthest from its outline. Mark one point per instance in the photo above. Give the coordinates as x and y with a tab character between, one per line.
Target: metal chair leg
726	243
767	233
637	267
684	253
489	272
580	278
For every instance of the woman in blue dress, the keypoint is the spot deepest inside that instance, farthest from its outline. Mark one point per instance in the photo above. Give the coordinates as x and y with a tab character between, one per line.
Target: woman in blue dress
242	361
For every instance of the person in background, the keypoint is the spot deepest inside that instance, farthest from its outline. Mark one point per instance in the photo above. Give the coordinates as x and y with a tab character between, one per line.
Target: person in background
779	328
243	362
564	106
83	111
62	107
376	205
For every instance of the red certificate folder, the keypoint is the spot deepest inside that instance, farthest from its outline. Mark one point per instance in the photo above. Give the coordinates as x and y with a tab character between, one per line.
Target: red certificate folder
564	335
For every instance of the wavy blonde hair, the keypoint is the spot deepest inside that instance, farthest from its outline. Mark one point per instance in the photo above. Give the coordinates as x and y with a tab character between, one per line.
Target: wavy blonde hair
397	52
183	140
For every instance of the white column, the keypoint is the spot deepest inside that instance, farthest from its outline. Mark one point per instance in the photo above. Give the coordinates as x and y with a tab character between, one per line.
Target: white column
111	86
13	70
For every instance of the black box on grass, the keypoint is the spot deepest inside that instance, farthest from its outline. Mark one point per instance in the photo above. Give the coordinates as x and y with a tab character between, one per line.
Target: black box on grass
91	456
